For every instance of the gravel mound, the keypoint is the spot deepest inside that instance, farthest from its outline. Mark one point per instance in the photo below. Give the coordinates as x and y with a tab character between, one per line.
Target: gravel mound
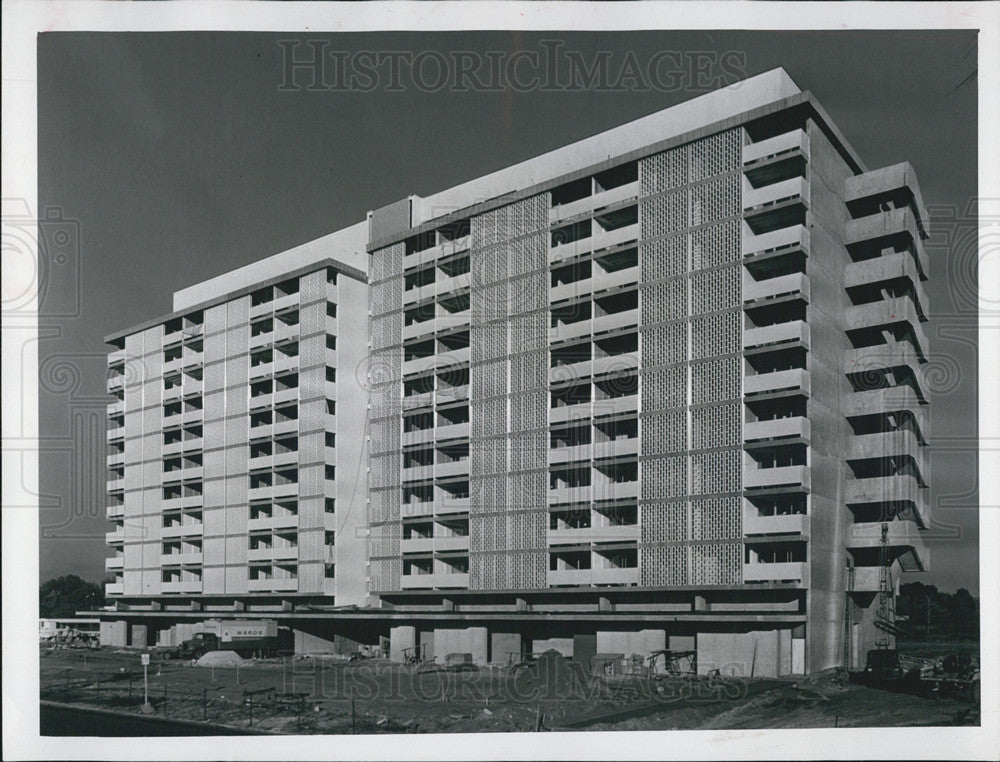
220	659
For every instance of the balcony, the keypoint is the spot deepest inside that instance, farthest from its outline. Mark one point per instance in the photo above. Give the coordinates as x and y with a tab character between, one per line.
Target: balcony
777	242
188	586
904	538
893	399
588	205
434	253
756	525
901	488
114	588
417	473
614	405
451	468
115	459
890	444
794	380
577	412
887	313
615	448
627	276
886	269
758	199
597	491
766	432
273	491
795	477
590	577
896	356
867	579
284	521
116	485
116	408
273	585
113	511
598	241
789	143
415	401
427	581
585	535
794	285
180	559
777	336
452	506
426	327
115	537
789	571
116	382
193	529
452	431
417	508
560	455
431	544
892	229
438	360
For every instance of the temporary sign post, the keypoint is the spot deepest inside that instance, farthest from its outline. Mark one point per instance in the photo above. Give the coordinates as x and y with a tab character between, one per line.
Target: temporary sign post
147	708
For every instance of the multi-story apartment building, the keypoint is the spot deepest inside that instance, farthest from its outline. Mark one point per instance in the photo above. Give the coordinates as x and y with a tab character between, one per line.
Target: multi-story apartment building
236	462
658	389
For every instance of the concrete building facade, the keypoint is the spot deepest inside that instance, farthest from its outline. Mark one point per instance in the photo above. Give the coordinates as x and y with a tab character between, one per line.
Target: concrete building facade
658	389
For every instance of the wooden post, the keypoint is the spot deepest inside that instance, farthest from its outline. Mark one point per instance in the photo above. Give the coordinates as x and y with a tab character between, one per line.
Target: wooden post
352	716
204	703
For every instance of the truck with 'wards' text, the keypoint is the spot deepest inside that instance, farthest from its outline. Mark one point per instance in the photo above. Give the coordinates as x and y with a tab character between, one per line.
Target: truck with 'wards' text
256	638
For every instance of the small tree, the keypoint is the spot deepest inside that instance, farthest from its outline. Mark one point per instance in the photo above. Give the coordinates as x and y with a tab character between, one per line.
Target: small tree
64	596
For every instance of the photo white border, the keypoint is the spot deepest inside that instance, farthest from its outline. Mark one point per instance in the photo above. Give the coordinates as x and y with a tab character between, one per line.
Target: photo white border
24	19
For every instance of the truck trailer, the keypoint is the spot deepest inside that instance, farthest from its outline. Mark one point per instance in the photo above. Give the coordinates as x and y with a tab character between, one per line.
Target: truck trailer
246	638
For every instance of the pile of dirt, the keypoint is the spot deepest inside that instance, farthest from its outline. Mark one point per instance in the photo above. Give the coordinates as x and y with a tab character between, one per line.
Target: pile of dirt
220	659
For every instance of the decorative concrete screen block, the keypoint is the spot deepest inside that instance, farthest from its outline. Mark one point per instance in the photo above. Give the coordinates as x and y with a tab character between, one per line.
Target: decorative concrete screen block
213	519
664	171
717	564
664	477
312	286
716	335
663	565
213	580
715	426
716	518
713	290
715	380
713	472
715	245
236	579
664	344
311	577
664	522
665	433
664	214
312	350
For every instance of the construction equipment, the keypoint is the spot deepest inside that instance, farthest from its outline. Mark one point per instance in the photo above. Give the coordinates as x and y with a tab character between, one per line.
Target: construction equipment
245	638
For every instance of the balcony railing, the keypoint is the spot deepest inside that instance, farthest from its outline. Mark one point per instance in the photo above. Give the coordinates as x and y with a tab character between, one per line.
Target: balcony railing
441	580
754	524
788	571
619	533
795	379
784	476
589	204
794	237
794	284
755	199
777	336
787	143
777	429
614	576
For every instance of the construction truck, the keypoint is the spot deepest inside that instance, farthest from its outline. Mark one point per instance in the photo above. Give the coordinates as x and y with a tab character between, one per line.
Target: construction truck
258	638
955	675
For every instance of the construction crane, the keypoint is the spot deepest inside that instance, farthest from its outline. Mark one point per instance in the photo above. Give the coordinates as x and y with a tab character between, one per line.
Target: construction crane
885	619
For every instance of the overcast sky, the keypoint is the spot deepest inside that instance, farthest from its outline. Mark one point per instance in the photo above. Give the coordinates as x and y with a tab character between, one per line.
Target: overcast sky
179	156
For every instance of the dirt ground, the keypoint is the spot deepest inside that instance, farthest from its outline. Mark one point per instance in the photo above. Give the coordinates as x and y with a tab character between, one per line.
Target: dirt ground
334	696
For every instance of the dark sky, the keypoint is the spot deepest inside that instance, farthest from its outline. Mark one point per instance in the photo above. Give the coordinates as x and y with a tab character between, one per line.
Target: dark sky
176	157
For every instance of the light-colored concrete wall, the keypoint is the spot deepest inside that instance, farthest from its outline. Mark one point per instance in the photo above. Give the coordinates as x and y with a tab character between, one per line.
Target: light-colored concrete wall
472	640
759	653
402	637
346	245
831	433
502	644
711	107
351	447
629	643
114	634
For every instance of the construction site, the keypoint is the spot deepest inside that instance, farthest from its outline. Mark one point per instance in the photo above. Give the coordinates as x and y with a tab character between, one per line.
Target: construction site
332	694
